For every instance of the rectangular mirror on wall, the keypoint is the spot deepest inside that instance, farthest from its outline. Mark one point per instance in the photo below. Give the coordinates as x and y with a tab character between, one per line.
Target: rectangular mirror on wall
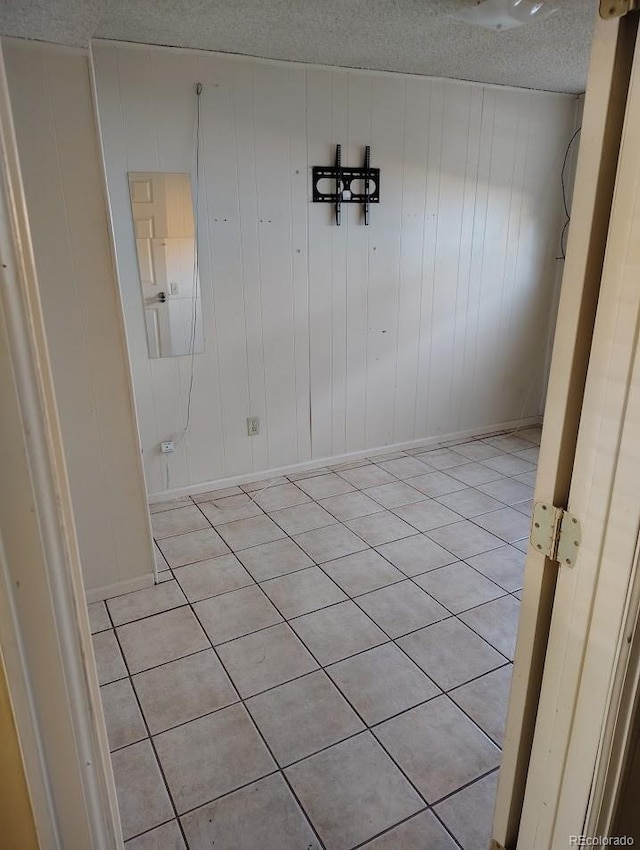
165	235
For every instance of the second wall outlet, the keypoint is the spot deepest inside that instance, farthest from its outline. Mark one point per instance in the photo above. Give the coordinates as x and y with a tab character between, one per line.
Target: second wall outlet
253	425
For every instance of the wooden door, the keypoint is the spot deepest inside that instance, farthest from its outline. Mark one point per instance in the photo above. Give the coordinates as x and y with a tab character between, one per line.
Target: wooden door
527	820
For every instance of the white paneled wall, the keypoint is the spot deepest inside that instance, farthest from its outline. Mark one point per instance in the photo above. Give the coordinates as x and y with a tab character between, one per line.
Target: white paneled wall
432	321
60	161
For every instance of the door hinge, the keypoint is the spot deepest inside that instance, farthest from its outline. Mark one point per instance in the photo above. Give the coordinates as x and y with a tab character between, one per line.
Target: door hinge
618	8
555	533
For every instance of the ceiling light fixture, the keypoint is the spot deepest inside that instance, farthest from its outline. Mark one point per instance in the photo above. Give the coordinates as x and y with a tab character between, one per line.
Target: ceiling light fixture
502	15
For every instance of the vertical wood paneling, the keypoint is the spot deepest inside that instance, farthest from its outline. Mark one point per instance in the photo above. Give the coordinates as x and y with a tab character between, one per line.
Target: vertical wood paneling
322	136
414	184
361	88
387	140
339	252
257	447
426	323
274	100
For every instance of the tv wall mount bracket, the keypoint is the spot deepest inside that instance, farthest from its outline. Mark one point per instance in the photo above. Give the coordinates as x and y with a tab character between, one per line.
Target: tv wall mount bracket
345	192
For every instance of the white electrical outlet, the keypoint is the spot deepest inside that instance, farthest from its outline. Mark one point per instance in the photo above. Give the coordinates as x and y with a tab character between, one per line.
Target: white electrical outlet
167	447
253	426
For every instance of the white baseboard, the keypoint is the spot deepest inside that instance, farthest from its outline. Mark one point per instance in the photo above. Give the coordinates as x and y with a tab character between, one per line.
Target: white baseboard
426	442
127	585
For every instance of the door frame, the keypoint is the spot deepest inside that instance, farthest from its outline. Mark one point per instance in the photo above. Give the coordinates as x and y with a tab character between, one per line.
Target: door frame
566	465
44	624
596	601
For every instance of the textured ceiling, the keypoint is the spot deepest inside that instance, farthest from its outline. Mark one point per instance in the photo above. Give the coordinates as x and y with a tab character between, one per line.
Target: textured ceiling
412	36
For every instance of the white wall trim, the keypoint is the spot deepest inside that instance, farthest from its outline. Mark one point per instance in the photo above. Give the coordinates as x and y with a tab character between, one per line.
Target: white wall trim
97	594
426	443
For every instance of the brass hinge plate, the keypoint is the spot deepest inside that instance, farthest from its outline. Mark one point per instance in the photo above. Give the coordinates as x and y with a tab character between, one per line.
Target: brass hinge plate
555	533
617	8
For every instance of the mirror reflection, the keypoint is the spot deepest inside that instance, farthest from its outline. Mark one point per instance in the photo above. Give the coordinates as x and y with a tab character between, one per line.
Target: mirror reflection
164	229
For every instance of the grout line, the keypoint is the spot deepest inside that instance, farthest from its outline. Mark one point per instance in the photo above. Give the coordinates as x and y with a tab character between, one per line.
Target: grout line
150	737
321	667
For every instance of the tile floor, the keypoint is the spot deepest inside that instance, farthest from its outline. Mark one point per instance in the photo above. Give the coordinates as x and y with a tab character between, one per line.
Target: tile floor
326	660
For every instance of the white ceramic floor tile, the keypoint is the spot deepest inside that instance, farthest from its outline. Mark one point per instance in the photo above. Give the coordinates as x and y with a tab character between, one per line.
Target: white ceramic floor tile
302	592
442	458
497	623
427	515
195	546
161	638
362	572
469	813
213	495
237	821
450	653
458	587
469	503
406	467
382	682
509	464
435	484
415	555
422	832
304	716
302	518
473	474
334	541
244	533
381	528
401	608
350	505
323	486
465	539
509	442
169	504
232	615
504	566
528	478
182	690
437	747
476	450
230	509
367	476
122	715
394	495
336	632
165	837
265	659
144	603
274	559
532	454
486	700
531	435
505	523
178	521
211	756
109	661
281	496
352	791
98	618
142	797
507	490
210	578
